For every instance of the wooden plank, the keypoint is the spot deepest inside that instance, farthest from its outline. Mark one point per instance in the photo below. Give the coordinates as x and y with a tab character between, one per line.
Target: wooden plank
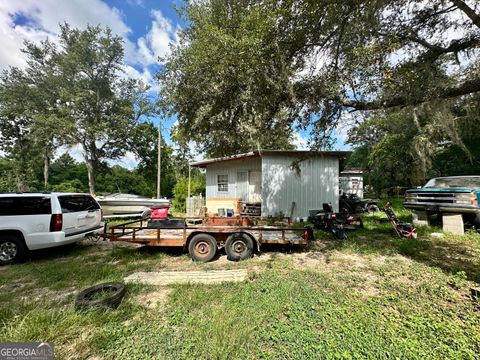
163	278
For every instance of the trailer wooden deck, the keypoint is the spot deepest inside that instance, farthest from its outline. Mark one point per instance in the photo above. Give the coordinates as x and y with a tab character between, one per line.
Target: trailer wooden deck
234	238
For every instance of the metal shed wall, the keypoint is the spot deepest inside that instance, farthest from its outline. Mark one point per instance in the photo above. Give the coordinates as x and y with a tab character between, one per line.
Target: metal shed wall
229	168
317	183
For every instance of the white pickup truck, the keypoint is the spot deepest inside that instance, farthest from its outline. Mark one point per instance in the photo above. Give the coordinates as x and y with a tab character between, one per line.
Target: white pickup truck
31	221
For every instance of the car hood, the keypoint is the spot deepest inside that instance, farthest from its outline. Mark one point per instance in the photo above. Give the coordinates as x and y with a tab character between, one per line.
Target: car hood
440	190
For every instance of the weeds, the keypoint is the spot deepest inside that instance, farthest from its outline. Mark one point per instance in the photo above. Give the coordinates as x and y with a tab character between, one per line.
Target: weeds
371	296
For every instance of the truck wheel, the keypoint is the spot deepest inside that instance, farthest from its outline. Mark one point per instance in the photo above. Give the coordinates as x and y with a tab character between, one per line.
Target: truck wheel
239	246
202	247
12	249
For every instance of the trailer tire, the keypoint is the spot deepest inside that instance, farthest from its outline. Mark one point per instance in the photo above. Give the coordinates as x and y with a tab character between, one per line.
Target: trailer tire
239	246
202	248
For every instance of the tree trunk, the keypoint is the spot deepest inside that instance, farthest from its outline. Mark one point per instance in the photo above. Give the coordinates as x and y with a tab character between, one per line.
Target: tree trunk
90	161
20	182
91	176
46	165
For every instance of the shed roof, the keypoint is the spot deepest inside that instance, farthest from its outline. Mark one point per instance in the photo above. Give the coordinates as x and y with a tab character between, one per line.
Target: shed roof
259	153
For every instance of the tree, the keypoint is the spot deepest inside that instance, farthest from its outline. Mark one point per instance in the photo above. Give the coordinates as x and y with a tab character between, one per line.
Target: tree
143	142
256	68
43	94
180	191
66	169
406	148
16	121
227	98
97	100
7	182
70	94
118	179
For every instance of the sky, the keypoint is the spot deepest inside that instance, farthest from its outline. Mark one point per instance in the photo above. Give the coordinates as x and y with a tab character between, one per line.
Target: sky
148	28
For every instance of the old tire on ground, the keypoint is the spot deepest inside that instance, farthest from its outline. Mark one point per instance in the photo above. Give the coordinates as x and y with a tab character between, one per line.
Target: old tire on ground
12	249
86	299
202	247
239	246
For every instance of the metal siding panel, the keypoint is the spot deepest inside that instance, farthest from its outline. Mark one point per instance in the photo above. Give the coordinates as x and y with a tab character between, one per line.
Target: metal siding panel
229	168
318	183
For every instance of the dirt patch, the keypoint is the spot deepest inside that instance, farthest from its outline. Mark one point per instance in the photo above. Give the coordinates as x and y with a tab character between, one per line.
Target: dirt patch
327	260
155	298
46	294
309	260
19	284
102	244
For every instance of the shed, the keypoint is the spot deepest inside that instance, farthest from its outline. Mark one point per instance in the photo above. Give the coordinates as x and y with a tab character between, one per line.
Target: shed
269	181
351	182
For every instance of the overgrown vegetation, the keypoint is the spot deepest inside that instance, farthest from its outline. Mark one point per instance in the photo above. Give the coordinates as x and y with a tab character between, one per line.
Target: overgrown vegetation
371	296
310	63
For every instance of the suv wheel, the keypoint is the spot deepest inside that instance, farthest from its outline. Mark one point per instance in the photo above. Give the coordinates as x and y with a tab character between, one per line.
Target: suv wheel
12	249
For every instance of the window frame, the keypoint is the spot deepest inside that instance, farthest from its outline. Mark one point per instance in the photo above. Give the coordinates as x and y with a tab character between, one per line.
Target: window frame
223	183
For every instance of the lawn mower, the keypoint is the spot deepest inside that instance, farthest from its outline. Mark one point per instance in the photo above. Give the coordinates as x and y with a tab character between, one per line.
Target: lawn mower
352	204
336	223
400	229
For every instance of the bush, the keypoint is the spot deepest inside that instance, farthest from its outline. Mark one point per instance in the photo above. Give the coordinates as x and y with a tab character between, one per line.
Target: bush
180	191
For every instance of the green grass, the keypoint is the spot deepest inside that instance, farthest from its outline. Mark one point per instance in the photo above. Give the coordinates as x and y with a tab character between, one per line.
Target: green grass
371	296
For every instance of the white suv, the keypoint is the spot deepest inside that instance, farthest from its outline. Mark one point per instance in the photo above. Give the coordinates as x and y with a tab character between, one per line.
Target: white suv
31	221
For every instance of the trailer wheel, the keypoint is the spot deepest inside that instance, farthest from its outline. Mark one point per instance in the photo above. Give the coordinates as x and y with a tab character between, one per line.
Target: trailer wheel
239	246
202	247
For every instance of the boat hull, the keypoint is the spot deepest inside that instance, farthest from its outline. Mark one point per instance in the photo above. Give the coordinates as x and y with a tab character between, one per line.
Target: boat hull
119	206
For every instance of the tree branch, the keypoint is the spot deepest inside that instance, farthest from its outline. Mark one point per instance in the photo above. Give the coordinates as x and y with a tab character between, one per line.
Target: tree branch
463	88
435	51
468	11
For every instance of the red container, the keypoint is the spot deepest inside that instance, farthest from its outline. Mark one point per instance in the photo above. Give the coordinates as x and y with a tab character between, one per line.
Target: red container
160	213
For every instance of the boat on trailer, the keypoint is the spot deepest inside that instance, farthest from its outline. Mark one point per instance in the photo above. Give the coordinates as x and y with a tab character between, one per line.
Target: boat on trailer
129	205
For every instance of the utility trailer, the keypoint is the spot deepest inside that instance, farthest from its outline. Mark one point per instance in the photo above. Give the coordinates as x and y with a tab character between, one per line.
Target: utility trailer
202	241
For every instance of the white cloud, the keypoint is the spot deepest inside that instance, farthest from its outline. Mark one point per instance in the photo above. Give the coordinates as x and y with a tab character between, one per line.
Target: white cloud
128	161
144	75
35	20
75	152
156	43
42	19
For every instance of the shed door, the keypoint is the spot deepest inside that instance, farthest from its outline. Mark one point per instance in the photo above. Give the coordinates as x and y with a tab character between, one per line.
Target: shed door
255	186
242	185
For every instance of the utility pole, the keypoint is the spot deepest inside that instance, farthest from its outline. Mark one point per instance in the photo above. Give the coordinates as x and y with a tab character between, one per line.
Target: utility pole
159	158
189	170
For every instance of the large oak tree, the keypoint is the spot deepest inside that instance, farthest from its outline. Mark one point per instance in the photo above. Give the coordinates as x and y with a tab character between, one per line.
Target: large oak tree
252	69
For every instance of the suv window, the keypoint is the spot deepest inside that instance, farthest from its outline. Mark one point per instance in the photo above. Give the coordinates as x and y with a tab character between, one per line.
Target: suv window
25	205
75	203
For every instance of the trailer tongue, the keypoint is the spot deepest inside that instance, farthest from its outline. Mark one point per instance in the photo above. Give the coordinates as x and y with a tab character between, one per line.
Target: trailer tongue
203	240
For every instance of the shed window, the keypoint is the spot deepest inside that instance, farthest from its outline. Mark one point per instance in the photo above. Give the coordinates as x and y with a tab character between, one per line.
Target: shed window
222	181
